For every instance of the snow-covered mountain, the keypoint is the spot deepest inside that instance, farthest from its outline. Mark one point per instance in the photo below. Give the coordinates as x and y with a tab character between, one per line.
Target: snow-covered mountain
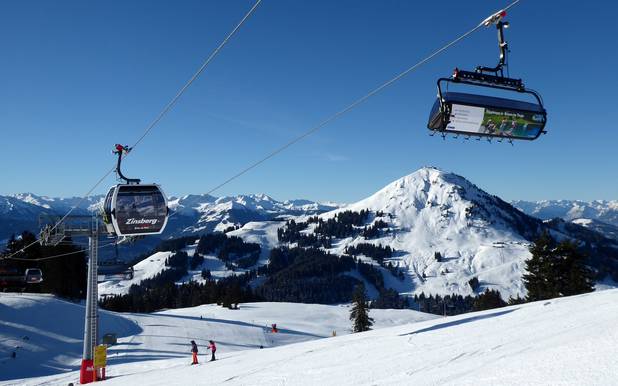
601	210
430	212
195	213
22	211
206	213
608	230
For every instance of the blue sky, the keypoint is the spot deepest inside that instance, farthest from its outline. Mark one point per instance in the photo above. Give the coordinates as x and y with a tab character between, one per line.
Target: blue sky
81	76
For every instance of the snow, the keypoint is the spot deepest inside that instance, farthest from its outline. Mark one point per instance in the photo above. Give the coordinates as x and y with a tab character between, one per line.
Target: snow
606	284
145	269
567	341
583	221
602	210
46	333
55	329
217	214
263	233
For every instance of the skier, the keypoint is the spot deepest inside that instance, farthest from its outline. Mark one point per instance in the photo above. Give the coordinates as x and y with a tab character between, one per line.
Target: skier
194	352
213	348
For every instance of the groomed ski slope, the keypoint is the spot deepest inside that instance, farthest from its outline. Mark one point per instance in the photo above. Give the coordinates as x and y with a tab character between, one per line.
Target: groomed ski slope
47	333
568	341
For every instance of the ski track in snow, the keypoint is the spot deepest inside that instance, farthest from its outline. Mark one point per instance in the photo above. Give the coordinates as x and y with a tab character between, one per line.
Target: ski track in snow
566	341
55	330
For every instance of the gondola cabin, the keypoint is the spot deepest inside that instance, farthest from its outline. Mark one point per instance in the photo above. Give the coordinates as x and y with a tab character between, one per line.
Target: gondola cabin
487	116
33	276
135	210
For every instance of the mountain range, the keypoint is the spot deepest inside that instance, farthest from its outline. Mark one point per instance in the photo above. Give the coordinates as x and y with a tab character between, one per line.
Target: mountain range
205	213
475	235
445	231
191	213
600	210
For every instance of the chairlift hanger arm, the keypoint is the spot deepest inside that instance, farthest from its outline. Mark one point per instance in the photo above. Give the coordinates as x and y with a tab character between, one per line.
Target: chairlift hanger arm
503	46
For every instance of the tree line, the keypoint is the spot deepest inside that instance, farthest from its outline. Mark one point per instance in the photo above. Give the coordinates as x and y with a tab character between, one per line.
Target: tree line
63	276
232	250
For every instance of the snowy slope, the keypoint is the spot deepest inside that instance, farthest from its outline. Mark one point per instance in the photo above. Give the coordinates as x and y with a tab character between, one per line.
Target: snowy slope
607	230
46	333
568	341
55	329
145	269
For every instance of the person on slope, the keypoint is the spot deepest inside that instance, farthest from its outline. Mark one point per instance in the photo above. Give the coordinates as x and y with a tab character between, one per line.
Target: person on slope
194	352
213	348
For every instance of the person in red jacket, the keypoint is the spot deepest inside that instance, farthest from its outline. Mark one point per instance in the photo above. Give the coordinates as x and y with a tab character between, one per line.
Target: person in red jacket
213	348
194	352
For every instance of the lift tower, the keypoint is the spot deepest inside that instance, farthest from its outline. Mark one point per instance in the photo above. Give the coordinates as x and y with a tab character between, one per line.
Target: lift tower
72	227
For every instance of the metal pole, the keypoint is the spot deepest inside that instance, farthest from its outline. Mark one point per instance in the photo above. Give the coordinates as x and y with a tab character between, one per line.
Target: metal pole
92	314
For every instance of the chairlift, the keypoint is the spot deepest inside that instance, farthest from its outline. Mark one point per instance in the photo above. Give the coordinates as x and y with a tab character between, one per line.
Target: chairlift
134	209
488	116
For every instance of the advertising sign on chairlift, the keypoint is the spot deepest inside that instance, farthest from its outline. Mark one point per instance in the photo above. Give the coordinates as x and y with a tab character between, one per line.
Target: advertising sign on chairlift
494	121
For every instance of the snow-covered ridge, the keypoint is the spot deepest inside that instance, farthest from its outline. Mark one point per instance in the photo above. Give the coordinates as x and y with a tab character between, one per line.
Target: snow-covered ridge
195	212
601	210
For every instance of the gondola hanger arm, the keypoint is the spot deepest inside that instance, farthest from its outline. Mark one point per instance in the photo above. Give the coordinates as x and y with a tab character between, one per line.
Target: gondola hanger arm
121	150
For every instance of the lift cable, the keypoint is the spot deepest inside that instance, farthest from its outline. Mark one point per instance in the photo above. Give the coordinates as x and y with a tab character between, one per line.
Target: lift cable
486	22
54	256
160	116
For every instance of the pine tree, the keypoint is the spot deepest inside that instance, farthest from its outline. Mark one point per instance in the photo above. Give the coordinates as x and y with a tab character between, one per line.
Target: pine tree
360	310
556	270
576	277
488	300
539	270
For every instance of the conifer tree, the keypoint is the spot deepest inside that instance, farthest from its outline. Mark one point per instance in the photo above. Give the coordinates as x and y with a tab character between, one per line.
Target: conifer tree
488	300
556	270
575	277
360	310
539	268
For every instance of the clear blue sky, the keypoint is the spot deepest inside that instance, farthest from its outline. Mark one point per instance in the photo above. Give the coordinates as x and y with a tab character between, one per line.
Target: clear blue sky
79	76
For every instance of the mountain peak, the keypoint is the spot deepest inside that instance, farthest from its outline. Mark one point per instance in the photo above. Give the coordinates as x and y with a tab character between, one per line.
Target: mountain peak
426	187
